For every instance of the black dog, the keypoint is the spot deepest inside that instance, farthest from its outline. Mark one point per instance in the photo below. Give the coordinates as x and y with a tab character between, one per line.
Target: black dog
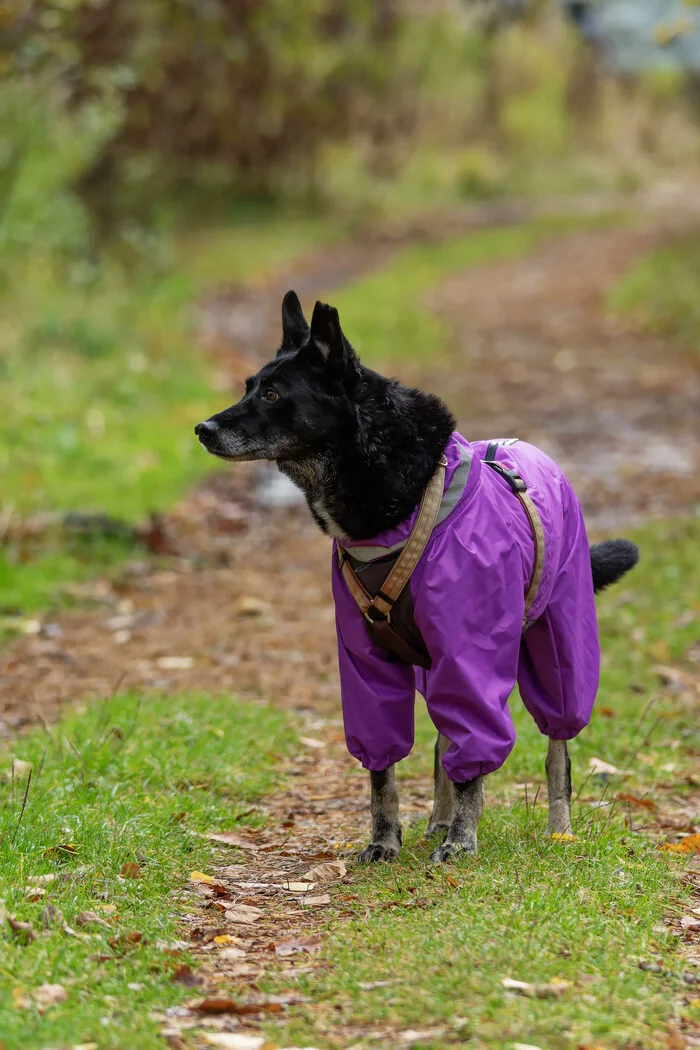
363	448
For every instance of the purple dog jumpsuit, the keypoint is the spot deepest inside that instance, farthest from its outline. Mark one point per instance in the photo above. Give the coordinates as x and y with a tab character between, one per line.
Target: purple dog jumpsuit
468	593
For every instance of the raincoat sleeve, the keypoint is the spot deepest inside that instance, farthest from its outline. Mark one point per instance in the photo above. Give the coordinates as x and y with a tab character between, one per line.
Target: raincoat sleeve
469	605
378	694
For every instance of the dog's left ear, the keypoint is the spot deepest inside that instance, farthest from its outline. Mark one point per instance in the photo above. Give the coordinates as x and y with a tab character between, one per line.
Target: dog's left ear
328	339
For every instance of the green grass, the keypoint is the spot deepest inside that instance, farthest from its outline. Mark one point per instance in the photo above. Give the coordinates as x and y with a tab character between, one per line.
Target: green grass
385	314
662	291
529	909
121	783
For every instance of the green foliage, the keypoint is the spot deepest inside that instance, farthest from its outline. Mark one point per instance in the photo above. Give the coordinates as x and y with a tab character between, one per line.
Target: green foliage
662	291
128	781
223	94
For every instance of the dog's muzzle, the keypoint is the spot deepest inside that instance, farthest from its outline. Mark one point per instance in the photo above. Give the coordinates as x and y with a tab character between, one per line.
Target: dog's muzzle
207	432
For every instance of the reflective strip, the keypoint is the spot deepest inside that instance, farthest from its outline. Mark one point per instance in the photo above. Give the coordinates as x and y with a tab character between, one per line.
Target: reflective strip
448	503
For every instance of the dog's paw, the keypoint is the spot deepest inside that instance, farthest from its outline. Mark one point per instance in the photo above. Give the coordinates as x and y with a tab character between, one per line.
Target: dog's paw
452	850
436	829
376	852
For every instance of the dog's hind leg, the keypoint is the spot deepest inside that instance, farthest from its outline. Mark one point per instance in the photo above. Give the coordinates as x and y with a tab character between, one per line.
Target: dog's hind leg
558	767
461	837
386	830
444	805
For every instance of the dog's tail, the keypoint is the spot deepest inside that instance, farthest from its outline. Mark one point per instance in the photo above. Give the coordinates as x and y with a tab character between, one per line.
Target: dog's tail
610	560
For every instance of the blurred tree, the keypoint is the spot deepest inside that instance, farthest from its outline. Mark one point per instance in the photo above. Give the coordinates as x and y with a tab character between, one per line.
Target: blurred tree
217	93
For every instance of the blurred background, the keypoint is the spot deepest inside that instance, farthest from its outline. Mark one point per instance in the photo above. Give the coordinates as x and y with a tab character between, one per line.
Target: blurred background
168	168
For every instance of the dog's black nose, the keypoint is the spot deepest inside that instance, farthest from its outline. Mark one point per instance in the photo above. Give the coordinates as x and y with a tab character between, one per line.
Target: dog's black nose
207	427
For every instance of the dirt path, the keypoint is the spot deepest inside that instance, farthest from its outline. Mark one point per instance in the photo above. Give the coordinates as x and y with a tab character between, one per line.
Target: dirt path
244	602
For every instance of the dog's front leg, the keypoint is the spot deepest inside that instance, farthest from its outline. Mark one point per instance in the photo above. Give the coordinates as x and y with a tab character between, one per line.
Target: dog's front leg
386	830
461	837
444	805
558	767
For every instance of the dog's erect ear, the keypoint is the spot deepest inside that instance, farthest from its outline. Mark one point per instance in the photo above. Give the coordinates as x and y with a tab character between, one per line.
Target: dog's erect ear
328	339
294	327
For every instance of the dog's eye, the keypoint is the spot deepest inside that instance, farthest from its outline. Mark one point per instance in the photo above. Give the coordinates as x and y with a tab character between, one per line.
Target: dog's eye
270	395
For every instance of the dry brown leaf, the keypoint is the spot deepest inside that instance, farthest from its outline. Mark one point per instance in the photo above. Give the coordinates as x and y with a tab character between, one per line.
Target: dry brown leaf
243	913
230	953
131	870
41	880
184	974
47	995
222	1004
292	945
299	887
644	803
175	663
234	1040
87	918
331	871
318	901
21	929
597	765
549	990
249	606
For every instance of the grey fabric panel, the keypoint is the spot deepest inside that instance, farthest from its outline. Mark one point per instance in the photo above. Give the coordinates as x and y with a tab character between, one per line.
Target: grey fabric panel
448	504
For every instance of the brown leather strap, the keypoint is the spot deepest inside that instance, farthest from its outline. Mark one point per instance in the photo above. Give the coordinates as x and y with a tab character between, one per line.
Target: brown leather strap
519	487
378	609
535	520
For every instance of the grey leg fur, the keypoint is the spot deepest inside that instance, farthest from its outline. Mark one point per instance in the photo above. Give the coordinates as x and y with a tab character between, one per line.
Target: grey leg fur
444	805
461	838
386	830
558	766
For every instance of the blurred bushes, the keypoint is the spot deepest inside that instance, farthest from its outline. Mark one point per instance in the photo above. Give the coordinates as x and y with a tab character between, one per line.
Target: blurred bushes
240	95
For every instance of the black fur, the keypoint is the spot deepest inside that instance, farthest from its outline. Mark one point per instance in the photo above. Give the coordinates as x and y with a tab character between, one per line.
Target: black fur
361	447
610	560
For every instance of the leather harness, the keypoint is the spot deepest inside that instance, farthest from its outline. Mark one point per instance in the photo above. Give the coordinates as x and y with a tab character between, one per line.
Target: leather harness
391	605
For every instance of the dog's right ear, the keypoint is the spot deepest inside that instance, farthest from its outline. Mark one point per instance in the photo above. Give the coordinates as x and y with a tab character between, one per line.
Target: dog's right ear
295	330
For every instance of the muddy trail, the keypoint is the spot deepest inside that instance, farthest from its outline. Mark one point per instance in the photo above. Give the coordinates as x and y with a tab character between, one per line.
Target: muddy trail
234	594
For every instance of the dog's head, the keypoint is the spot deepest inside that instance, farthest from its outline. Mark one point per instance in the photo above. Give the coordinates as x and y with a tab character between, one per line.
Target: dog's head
297	403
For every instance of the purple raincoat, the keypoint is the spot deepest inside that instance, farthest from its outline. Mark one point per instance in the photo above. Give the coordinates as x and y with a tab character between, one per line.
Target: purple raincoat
468	593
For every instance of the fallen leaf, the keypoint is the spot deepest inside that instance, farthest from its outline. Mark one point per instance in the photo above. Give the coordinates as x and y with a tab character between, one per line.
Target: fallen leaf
84	1046
224	938
47	995
550	990
292	945
526	1046
22	929
41	880
645	803
248	606
562	836
184	974
231	838
222	1004
88	918
605	712
126	941
131	870
200	876
367	986
228	954
19	1000
688	922
427	1035
243	913
451	881
690	844
318	901
299	887
234	1040
175	663
308	741
20	769
61	852
597	765
328	872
